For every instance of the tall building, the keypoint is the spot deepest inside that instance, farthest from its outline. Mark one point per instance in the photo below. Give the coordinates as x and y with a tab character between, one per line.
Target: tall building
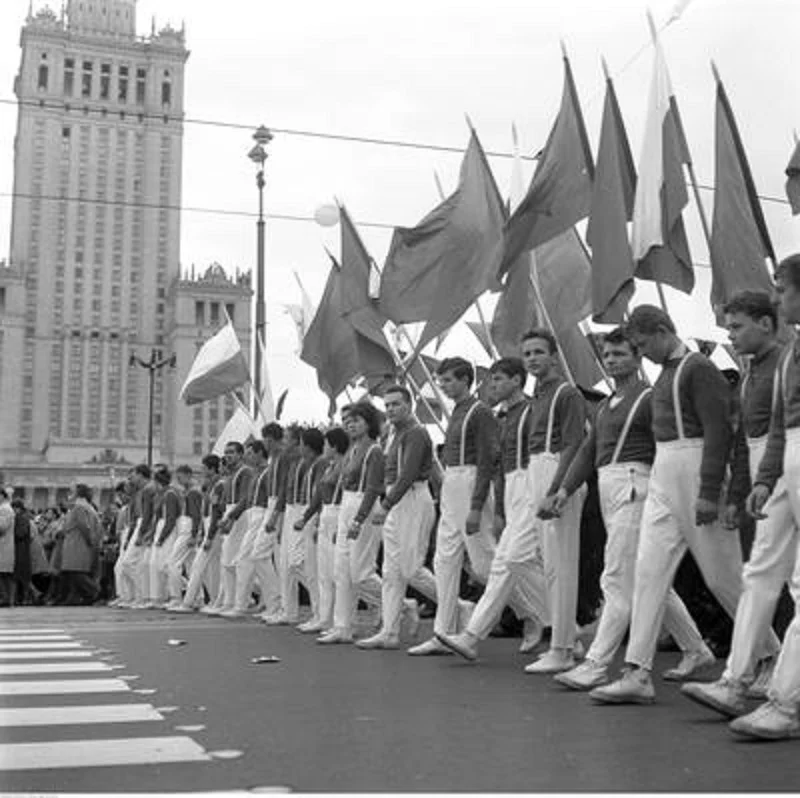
94	270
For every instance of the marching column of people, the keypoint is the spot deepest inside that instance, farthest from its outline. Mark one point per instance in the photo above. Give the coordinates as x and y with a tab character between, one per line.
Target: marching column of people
674	462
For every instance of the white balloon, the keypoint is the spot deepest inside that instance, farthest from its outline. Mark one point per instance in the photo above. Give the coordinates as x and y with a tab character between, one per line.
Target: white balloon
326	215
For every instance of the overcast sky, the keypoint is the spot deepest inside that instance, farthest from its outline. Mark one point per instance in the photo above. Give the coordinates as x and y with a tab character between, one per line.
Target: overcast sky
410	71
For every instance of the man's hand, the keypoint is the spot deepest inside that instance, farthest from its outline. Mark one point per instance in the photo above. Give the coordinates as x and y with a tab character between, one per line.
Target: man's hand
354	530
207	545
498	526
755	502
551	506
379	516
473	525
272	523
299	525
730	517
705	512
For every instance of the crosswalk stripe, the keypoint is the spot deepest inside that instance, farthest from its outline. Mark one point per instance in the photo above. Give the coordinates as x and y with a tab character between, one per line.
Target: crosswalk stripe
34	638
25	668
37	655
37	646
100	753
63	687
74	716
13	630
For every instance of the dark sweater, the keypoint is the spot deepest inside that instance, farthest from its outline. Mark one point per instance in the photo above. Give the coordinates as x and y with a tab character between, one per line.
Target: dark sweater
409	459
363	471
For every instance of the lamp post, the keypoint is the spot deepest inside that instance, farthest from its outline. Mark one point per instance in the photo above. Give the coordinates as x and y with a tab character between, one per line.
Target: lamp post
156	363
258	155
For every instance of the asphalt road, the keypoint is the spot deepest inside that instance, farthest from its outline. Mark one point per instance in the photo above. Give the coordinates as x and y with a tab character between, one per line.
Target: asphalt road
343	720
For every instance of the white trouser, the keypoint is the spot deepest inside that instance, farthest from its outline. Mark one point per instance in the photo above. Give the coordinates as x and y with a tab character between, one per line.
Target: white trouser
229	553
123	586
130	564
517	565
298	562
668	530
180	557
354	565
159	564
143	572
561	539
623	489
406	534
785	686
328	521
764	574
204	571
250	568
452	540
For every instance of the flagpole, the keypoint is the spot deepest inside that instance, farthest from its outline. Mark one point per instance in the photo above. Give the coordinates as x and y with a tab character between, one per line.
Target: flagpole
425	368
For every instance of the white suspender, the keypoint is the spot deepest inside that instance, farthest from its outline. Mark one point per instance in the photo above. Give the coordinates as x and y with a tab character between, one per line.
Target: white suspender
463	448
520	429
628	424
258	483
676	399
362	482
551	418
309	474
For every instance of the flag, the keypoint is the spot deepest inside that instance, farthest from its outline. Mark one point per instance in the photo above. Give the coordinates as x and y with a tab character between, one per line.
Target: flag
301	314
266	402
561	189
218	368
740	240
436	270
612	207
483	336
241	427
658	238
793	181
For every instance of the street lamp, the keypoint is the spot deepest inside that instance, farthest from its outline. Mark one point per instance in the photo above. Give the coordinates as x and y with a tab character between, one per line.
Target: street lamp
258	155
156	363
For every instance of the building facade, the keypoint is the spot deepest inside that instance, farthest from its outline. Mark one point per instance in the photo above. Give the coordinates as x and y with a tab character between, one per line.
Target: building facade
94	270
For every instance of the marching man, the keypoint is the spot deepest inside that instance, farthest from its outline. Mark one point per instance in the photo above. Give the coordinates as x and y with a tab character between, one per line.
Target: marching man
148	498
169	513
186	532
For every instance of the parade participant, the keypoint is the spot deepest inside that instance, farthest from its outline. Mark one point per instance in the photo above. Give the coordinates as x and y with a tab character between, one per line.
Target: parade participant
233	525
470	452
187	531
130	558
247	565
299	542
123	588
557	429
407	515
325	502
516	567
147	497
778	718
621	447
692	429
204	572
170	509
357	539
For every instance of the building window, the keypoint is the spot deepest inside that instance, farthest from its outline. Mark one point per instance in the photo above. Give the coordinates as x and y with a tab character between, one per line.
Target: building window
86	79
2	299
44	74
141	85
214	313
69	76
105	81
230	309
122	94
166	94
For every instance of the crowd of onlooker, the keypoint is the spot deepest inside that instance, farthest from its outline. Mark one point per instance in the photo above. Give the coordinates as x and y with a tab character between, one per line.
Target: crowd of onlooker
62	555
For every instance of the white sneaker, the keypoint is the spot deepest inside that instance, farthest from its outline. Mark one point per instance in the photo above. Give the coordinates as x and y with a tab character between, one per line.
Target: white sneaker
635	686
182	608
725	696
771	721
311	626
277	620
532	632
377	642
691	664
764	670
586	676
233	613
555	660
430	648
335	637
463	644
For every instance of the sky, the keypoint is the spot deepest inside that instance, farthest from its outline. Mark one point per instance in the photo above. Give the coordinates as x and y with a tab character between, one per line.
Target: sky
410	72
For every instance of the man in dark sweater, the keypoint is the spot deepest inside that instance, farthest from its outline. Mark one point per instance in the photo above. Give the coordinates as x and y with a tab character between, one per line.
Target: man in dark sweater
778	718
620	446
692	429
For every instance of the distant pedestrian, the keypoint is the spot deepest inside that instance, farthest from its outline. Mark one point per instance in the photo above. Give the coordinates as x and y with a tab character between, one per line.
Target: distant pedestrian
82	536
6	548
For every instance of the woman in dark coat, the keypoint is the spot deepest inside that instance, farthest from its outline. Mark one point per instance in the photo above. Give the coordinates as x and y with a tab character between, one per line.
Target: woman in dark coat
82	535
23	594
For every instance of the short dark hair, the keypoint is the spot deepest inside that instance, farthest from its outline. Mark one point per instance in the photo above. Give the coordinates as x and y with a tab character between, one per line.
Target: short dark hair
162	474
543	334
83	491
510	367
273	430
648	319
619	336
754	304
461	369
236	446
257	447
368	412
295	431
338	439
143	470
789	270
184	469
314	439
120	487
401	389
211	462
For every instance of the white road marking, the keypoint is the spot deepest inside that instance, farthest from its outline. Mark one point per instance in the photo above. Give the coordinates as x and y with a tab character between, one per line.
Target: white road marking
13	630
35	638
38	655
24	668
74	716
66	687
37	646
100	753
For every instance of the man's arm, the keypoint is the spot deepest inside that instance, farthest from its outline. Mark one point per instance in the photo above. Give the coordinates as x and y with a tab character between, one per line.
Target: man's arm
172	509
416	445
373	483
148	512
770	469
487	442
194	509
582	465
571	411
244	487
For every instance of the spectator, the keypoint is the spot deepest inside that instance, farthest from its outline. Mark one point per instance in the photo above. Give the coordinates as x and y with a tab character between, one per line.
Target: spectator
6	549
22	589
82	535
